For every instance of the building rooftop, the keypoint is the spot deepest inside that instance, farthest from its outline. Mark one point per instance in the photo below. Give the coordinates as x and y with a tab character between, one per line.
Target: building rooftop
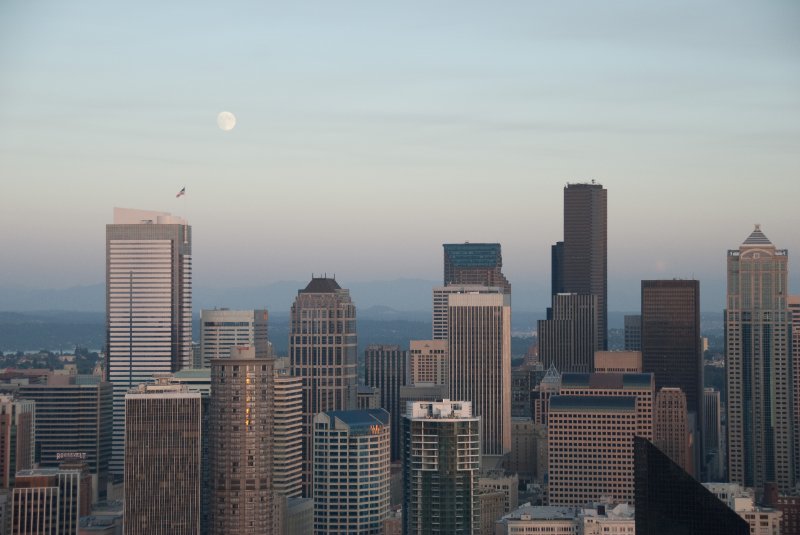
757	237
321	285
605	403
467	255
361	420
541	512
607	380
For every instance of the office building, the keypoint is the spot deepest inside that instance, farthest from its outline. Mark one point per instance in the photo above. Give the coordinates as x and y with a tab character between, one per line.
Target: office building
714	453
531	519
351	471
590	449
441	297
423	392
368	397
584	269
442	461
757	331
223	329
148	305
162	459
498	479
479	345
70	489
287	422
788	505
524	379
74	416
322	349
568	339
762	520
671	433
633	332
17	437
549	386
793	302
474	264
522	460
428	362
556	268
385	368
241	420
492	508
618	362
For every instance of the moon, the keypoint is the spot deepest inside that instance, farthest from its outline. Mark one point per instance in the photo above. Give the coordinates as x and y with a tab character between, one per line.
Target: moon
226	121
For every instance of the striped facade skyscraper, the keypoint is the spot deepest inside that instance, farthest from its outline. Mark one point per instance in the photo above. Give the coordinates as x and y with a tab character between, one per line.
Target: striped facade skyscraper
385	368
148	305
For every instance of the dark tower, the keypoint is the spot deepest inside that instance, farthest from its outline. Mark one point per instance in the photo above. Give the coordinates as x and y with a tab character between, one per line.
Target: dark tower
474	263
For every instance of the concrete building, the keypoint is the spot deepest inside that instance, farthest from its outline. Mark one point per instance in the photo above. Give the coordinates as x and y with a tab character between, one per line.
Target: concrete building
671	433
17	437
607	520
428	362
618	361
423	392
590	449
385	368
758	367
351	471
441	465
793	302
500	481
223	329
524	379
34	506
762	520
148	305
568	338
368	397
633	332
73	499
539	520
441	299
479	345
74	416
788	505
287	428
296	516
522	459
549	386
492	508
163	427
474	263
714	453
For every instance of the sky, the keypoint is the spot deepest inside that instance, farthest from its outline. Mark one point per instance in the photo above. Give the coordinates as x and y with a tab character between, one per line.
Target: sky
369	133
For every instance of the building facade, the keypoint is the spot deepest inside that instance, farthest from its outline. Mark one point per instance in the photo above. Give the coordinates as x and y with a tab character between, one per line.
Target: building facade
428	362
714	453
568	338
633	332
793	302
287	422
385	368
441	299
671	432
757	331
223	329
474	263
148	305
17	437
73	499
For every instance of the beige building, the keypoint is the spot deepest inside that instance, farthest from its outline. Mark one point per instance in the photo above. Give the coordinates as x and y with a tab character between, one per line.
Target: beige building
479	346
671	427
492	505
539	520
618	361
17	437
162	459
287	425
793	302
441	296
428	362
762	520
507	484
222	329
522	459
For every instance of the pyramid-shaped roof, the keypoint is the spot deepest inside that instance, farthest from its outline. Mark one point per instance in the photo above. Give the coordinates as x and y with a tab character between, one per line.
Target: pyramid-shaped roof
552	376
757	237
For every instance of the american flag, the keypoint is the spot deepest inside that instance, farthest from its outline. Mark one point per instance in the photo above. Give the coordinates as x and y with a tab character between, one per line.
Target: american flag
181	192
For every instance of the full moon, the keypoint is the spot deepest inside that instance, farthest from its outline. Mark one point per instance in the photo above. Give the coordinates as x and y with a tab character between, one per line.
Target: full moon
226	121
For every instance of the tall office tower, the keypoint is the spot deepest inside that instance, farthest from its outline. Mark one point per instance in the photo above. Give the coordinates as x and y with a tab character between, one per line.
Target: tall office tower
524	378
671	432
549	386
557	268
223	329
671	345
590	449
441	296
479	345
427	362
162	459
441	464
569	339
351	471
322	349
72	500
17	437
385	368
793	302
241	445
714	456
638	385
633	332
287	421
74	416
148	305
758	369
474	263
585	261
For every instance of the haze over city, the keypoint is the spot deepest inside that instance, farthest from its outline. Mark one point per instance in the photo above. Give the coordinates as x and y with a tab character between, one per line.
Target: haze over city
368	135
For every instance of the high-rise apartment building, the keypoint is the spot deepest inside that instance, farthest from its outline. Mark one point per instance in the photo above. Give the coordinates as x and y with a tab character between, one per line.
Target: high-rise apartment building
223	329
584	268
351	471
385	368
162	459
322	349
793	302
474	264
241	449
17	437
568	339
442	461
55	497
287	422
427	362
73	418
148	305
441	296
714	454
757	332
633	332
671	433
479	345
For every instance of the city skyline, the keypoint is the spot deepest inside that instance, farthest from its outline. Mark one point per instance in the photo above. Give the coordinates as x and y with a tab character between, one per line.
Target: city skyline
680	119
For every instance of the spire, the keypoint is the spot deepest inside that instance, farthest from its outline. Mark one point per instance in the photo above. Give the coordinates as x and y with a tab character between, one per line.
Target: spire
757	237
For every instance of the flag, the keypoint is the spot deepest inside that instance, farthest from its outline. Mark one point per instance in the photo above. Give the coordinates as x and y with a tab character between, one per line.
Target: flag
181	192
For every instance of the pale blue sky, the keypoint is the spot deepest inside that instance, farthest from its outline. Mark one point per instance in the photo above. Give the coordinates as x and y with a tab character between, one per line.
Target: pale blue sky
371	132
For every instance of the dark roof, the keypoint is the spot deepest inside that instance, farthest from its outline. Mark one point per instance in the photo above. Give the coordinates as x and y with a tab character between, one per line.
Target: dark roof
473	254
321	285
361	421
606	380
757	238
616	403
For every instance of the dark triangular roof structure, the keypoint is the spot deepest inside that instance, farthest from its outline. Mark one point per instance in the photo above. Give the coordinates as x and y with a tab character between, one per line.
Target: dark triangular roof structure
321	285
757	238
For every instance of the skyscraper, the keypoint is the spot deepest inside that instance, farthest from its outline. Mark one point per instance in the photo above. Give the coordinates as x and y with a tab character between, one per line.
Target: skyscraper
351	471
385	369
757	321
17	437
148	304
585	258
322	349
223	329
671	433
441	465
793	302
568	339
287	419
479	345
242	400
474	263
714	456
441	296
633	332
162	459
33	511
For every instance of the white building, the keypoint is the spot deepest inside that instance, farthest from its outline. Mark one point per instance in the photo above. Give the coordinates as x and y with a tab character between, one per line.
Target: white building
223	329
